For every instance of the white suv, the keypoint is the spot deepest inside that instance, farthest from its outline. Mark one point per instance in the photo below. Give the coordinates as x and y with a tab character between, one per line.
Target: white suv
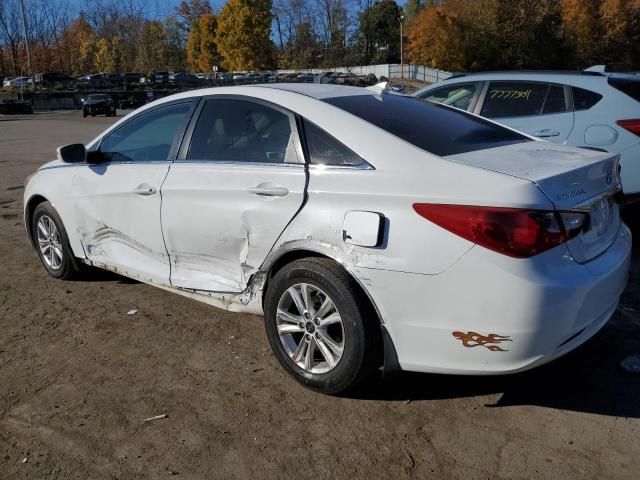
590	109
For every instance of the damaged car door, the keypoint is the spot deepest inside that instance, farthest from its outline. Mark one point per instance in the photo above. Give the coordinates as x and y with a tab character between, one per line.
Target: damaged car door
231	192
117	206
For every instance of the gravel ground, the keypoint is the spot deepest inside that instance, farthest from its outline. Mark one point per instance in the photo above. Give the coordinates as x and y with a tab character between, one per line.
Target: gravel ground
78	377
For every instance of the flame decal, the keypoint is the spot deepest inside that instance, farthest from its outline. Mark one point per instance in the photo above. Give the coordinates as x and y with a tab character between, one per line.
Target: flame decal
474	339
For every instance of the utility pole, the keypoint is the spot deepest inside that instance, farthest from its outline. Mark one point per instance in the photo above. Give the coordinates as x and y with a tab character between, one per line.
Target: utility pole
401	20
26	37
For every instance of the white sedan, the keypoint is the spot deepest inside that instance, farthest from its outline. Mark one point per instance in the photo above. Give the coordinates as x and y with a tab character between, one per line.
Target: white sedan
371	229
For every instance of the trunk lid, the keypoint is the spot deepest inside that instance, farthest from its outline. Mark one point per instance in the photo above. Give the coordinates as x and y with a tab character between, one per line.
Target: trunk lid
572	179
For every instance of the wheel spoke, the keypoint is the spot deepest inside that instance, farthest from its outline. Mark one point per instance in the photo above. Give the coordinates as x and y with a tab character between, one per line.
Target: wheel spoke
306	298
286	329
299	352
326	353
308	357
330	320
45	248
324	309
287	317
335	348
52	257
42	229
58	252
297	299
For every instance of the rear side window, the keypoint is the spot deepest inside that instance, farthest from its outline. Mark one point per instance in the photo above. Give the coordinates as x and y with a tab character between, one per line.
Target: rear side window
514	99
326	150
555	101
584	99
627	84
230	130
434	128
458	95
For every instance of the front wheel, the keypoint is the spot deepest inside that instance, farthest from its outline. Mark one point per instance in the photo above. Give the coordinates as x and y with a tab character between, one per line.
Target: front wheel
321	329
52	243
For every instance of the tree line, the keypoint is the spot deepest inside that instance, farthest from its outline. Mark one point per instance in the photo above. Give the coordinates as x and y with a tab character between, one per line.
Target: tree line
456	35
465	35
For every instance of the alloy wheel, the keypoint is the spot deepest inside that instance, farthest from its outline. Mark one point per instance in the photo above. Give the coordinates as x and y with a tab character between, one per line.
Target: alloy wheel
310	328
49	242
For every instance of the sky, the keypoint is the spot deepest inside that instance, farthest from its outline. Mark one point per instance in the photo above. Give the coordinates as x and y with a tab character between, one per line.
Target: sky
163	8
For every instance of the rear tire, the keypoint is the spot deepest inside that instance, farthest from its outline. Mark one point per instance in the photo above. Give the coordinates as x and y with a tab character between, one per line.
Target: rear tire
52	243
333	350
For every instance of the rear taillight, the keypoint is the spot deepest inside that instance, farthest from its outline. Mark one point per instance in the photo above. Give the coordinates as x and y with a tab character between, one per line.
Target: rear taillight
514	232
631	125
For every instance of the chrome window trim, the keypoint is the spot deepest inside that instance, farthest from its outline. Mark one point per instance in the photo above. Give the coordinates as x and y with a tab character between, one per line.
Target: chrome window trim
238	163
362	166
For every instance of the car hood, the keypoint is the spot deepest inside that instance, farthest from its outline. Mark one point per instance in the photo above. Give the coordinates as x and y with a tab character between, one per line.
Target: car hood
95	102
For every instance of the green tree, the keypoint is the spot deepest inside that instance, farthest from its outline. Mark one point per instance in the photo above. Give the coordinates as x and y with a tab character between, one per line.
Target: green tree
380	30
243	35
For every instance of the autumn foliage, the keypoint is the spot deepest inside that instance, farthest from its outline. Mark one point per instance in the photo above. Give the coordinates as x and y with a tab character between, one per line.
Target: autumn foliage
494	34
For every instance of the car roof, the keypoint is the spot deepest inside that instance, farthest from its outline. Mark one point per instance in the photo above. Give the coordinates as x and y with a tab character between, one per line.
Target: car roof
317	90
528	73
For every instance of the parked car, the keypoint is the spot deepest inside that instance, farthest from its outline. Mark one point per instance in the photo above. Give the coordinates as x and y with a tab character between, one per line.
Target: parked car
590	109
184	79
364	238
16	81
161	77
94	80
98	104
132	78
51	78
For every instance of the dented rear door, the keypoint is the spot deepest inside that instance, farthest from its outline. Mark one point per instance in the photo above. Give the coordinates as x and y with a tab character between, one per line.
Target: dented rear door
239	182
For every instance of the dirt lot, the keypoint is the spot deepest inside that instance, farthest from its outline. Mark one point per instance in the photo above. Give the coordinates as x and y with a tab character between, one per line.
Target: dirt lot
78	376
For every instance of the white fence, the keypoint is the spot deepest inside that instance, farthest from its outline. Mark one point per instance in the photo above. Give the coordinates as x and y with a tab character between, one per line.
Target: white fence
392	70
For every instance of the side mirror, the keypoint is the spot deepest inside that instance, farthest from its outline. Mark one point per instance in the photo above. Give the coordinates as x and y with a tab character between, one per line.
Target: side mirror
74	153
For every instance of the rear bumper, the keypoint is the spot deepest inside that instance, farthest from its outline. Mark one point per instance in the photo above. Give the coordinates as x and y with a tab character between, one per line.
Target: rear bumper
537	309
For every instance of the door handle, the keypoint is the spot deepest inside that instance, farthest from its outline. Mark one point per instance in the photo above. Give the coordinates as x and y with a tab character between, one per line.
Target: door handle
546	133
144	189
269	190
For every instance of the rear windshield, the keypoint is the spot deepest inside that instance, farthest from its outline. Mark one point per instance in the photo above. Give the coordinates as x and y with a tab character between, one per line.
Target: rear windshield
628	84
434	128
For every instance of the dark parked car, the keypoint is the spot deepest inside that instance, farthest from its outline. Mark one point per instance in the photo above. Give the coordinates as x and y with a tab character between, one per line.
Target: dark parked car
98	104
131	78
184	79
51	78
161	77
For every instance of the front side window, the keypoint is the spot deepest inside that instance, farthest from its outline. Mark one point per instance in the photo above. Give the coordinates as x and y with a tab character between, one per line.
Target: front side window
458	96
148	137
230	130
514	99
324	149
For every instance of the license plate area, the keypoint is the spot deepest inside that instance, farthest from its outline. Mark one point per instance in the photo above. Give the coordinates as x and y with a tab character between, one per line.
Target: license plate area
600	232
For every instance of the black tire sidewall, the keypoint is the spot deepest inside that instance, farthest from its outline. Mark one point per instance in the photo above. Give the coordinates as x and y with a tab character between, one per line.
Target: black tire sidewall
346	373
69	266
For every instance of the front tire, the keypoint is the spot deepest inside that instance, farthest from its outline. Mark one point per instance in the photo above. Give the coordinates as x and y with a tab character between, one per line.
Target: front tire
321	329
52	243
